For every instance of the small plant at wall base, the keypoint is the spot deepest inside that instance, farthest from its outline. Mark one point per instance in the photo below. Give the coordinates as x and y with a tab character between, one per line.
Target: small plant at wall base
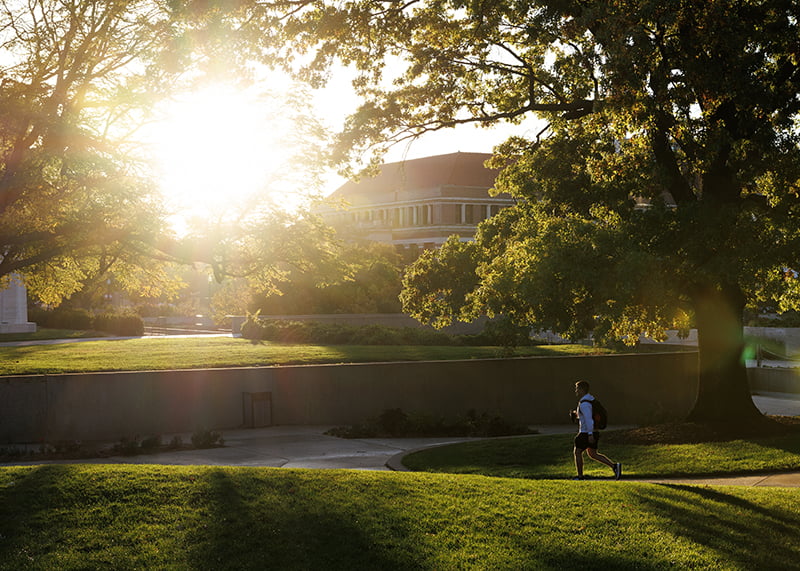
151	444
397	424
203	438
127	447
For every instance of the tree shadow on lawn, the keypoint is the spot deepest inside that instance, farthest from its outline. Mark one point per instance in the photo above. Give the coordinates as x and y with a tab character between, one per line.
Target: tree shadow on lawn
742	533
290	522
26	502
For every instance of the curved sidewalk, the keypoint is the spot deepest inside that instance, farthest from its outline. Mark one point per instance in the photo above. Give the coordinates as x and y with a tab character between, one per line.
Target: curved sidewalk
774	404
310	447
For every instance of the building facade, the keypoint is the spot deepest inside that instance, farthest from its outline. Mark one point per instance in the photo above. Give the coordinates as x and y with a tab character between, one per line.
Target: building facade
417	203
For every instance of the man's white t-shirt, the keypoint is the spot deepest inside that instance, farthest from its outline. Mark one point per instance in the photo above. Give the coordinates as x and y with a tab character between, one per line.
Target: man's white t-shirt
585	420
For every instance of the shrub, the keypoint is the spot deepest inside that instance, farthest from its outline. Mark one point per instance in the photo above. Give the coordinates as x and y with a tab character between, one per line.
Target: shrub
14	453
501	332
203	438
285	331
157	310
375	335
497	333
61	318
66	447
125	325
252	328
150	444
127	446
395	423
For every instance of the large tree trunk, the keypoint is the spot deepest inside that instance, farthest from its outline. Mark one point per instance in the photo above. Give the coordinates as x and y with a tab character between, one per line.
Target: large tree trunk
723	393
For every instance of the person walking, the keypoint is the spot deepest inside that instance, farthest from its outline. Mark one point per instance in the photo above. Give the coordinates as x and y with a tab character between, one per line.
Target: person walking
588	435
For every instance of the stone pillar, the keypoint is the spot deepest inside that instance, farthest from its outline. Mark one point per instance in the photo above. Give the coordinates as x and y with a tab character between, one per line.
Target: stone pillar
14	308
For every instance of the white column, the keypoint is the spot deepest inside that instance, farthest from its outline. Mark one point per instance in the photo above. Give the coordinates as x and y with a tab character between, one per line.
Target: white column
14	308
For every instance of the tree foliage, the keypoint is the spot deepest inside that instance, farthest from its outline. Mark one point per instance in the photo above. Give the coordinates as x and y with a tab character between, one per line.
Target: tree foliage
663	188
78	200
74	79
368	281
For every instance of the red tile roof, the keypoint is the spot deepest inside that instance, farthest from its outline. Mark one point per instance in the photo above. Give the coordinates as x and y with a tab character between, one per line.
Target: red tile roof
455	169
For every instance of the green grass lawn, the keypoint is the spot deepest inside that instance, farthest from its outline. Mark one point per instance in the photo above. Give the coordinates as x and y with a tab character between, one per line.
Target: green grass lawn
551	457
167	517
160	353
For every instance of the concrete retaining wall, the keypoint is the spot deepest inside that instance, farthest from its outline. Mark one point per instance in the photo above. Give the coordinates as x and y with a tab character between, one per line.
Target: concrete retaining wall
110	406
786	339
774	380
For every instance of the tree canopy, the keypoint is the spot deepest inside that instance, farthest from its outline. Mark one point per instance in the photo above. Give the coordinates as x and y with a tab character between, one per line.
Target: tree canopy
73	78
78	199
663	189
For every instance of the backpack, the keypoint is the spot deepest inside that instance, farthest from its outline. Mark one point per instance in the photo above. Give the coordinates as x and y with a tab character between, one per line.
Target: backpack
599	414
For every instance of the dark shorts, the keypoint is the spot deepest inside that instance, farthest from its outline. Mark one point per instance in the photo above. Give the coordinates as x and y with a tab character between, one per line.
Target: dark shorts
582	441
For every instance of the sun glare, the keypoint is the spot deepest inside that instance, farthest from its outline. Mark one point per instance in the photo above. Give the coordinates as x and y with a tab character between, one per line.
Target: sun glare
216	149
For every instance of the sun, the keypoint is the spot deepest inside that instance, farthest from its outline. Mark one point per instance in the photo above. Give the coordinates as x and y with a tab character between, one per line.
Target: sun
216	149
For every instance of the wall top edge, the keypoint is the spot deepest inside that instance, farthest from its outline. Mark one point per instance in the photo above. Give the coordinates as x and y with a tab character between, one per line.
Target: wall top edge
43	376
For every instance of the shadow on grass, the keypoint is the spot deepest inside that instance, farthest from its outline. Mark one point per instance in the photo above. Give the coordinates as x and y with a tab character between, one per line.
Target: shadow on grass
28	511
728	524
788	443
289	523
123	517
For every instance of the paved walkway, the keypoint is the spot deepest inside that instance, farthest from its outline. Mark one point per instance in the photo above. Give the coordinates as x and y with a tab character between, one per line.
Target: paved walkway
310	447
281	446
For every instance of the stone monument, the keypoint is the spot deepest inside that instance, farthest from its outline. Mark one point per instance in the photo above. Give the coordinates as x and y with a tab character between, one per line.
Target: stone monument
14	308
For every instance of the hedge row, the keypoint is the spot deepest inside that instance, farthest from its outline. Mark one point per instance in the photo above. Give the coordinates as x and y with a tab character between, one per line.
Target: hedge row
310	332
78	319
394	423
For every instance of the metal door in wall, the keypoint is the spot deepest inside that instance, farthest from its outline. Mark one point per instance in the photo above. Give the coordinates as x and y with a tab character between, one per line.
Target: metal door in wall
257	409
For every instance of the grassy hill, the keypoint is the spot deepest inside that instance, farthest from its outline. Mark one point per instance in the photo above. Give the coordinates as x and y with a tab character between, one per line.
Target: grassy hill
159	517
681	449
